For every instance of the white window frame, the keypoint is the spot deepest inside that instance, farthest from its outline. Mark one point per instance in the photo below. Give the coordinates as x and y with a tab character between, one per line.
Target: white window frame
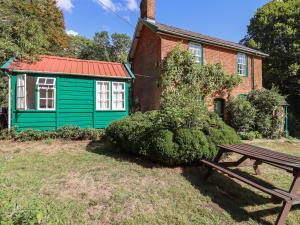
47	99
24	77
242	64
124	94
98	92
193	49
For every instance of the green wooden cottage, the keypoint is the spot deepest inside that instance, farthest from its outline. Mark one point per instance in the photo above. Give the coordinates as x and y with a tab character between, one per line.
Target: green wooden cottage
57	91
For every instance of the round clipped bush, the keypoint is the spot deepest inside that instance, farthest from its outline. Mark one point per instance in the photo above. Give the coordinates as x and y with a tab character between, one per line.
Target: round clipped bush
193	145
153	135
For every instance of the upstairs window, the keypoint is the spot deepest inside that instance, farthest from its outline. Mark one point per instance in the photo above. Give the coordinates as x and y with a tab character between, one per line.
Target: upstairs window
197	52
103	95
46	93
242	63
118	96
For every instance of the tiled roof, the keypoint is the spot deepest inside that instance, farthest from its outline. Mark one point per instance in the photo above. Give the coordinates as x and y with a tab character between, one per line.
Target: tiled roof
190	36
203	38
70	66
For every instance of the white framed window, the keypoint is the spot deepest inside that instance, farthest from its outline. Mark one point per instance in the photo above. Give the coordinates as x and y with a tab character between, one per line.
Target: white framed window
103	95
242	64
196	50
118	95
46	93
21	92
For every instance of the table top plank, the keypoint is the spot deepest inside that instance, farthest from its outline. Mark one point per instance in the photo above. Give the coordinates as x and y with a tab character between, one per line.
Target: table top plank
264	155
271	154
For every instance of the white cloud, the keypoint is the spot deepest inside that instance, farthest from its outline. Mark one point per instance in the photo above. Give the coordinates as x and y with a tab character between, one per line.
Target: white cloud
66	5
132	5
72	33
108	5
111	5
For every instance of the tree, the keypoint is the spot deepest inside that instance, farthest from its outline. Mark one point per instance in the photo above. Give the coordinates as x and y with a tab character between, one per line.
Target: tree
27	29
275	29
103	47
183	78
120	47
80	47
184	83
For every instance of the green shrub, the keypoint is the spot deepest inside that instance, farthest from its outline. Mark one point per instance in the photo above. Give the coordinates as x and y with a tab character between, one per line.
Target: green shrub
269	119
250	135
193	145
7	134
77	133
260	111
241	114
155	136
66	133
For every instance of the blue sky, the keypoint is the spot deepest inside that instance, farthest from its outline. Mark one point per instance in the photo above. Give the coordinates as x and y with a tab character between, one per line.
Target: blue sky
219	18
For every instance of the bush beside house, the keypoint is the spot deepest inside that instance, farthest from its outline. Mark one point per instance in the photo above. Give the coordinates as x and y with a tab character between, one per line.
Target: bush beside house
259	114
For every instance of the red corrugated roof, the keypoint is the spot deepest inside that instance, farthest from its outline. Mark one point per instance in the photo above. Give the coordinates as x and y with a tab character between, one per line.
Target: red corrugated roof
71	66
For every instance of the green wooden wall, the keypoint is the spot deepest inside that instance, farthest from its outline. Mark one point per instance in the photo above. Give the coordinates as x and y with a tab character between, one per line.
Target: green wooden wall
75	106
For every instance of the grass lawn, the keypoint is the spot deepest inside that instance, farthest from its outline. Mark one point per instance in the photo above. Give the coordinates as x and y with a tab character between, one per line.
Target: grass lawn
88	183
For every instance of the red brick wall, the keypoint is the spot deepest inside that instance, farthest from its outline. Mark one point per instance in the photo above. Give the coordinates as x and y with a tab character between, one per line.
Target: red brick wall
146	66
152	49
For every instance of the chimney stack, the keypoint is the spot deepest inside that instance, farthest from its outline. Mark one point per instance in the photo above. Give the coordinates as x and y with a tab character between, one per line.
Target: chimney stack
148	10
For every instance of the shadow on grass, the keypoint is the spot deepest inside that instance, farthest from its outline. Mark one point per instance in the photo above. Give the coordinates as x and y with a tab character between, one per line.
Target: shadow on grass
231	196
223	191
107	149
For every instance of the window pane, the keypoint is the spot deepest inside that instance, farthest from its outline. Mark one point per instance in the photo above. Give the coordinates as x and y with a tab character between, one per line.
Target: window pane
50	81
51	104
42	93
42	81
51	93
42	103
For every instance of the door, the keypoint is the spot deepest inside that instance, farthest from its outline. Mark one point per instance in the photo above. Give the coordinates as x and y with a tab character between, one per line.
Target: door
219	107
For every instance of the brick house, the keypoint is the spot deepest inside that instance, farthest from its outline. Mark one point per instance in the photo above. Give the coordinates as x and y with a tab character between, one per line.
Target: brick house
153	41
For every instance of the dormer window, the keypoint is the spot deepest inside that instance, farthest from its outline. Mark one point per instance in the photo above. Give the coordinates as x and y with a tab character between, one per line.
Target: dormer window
197	52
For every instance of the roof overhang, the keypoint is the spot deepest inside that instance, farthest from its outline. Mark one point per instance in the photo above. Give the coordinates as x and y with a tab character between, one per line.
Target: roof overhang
190	38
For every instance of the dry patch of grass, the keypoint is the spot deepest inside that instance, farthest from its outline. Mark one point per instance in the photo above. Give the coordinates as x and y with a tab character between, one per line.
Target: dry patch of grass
90	183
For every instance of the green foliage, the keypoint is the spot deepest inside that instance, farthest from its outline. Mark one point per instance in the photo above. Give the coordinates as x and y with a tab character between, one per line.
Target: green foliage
275	29
66	133
260	111
3	90
184	81
27	29
103	47
162	139
250	136
241	114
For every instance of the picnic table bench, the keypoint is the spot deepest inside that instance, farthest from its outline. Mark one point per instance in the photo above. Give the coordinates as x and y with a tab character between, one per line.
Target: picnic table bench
259	155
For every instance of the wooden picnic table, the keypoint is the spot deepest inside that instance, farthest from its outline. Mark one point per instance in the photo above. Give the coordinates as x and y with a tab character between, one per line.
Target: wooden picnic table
261	155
